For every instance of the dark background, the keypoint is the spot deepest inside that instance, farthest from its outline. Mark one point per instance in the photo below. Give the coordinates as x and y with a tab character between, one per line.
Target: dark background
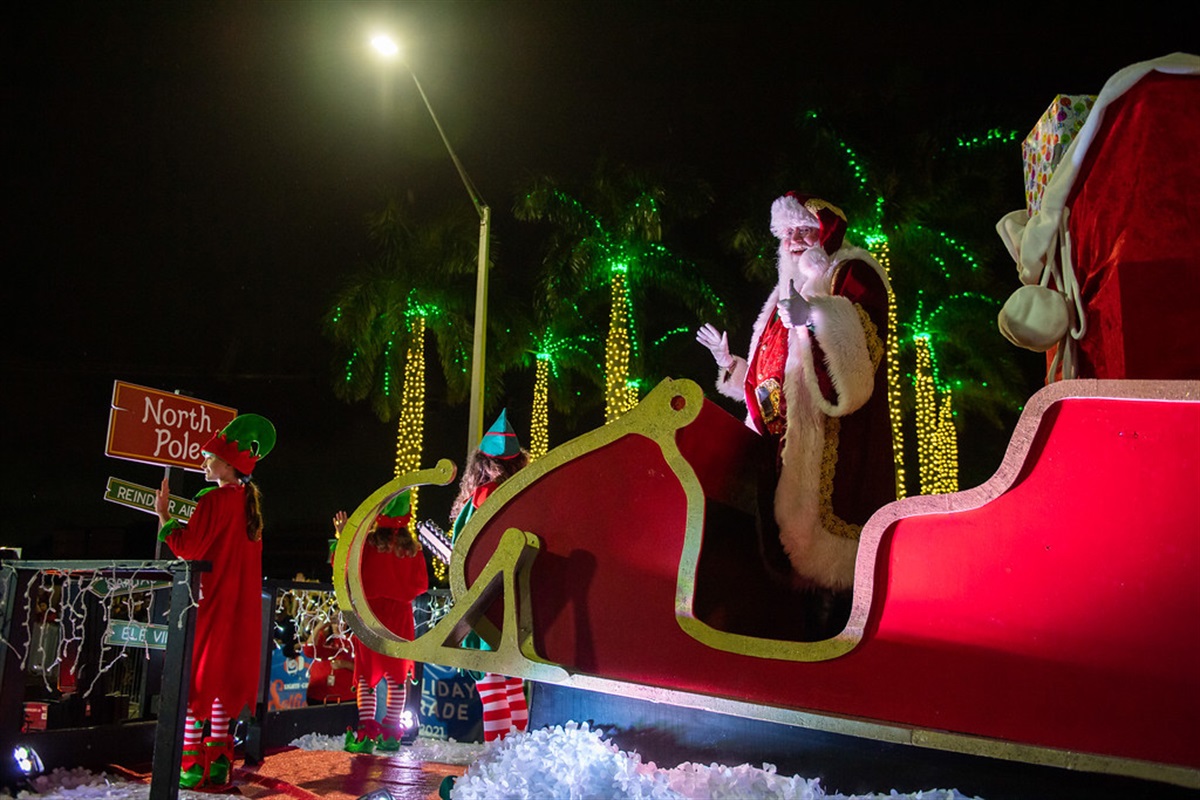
187	182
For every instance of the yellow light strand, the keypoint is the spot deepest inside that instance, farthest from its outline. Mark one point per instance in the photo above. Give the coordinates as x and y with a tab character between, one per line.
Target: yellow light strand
937	438
410	429
926	420
619	394
539	434
895	411
946	442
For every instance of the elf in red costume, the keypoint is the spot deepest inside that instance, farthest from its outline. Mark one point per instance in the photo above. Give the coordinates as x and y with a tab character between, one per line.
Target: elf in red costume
813	382
225	529
498	458
393	575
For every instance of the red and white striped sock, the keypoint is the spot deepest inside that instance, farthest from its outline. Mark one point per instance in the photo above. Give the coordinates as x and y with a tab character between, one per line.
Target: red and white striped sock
397	696
493	695
193	733
518	708
219	721
366	702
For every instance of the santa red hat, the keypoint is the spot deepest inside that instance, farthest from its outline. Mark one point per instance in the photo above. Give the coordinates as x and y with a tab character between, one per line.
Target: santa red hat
797	210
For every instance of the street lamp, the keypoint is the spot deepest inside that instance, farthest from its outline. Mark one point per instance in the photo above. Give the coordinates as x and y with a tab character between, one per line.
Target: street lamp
388	48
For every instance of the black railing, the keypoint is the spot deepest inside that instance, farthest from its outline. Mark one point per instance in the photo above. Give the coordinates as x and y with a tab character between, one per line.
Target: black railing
77	583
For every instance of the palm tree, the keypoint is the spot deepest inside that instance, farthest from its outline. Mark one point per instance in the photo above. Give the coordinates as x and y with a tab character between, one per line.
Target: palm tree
609	236
418	282
563	355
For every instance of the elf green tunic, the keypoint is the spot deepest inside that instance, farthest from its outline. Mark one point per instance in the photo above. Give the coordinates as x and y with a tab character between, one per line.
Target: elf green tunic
472	639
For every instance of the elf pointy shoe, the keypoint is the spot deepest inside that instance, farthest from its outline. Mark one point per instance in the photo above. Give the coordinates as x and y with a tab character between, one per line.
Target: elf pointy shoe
191	769
218	754
358	743
388	740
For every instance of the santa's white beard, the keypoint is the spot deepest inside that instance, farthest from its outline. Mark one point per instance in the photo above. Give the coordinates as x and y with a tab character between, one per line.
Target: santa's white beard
806	270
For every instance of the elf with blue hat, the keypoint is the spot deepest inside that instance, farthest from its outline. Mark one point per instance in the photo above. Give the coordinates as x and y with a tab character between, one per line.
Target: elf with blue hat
498	458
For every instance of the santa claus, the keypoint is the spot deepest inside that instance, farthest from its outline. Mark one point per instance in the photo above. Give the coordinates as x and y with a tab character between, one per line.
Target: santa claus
813	383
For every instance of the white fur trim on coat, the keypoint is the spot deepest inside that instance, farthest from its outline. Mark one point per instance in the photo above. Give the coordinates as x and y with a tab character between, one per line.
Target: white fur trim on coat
817	556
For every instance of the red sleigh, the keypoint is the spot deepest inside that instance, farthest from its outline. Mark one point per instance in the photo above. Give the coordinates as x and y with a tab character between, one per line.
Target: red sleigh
1047	616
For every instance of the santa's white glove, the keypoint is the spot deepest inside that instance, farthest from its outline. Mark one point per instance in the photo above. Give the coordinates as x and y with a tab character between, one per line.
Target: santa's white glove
717	343
794	310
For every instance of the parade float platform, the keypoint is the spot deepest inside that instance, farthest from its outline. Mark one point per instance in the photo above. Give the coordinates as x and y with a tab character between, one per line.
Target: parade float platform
1043	618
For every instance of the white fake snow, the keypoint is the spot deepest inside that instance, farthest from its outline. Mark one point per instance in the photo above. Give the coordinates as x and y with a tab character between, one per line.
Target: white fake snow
572	762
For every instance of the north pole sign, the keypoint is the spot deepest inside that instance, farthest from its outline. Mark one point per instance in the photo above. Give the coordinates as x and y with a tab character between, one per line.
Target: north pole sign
157	427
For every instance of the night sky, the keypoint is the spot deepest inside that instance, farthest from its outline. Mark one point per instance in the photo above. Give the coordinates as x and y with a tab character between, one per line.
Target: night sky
187	183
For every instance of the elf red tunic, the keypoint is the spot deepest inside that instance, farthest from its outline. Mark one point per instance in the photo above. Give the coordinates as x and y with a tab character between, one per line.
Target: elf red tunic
390	584
226	661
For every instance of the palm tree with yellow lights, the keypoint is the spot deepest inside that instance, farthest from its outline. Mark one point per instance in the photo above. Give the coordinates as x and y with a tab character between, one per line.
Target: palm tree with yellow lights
608	236
418	282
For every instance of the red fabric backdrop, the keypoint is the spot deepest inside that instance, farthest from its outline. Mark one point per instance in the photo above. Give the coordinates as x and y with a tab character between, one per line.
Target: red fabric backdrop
1135	229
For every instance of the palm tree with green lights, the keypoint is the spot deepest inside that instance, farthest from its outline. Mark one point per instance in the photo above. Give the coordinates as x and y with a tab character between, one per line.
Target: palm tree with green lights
418	282
567	371
608	235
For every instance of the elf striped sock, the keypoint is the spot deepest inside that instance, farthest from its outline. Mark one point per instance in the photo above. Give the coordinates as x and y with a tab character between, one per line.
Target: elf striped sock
366	702
193	733
397	696
493	695
219	721
517	706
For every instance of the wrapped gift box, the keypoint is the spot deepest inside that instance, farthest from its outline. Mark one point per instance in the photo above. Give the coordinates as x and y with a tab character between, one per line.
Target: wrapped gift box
1045	145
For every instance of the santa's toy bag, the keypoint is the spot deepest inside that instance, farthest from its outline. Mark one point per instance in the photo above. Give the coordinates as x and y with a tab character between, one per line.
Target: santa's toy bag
1110	257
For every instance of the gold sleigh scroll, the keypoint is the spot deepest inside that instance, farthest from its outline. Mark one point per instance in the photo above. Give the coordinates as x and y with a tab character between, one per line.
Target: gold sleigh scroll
507	571
672	405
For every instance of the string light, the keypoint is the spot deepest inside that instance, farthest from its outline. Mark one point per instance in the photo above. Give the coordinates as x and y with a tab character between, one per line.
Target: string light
410	428
878	245
619	395
946	444
926	404
539	435
60	624
991	137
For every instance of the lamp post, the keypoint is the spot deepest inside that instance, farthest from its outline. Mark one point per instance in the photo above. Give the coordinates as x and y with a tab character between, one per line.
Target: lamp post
388	48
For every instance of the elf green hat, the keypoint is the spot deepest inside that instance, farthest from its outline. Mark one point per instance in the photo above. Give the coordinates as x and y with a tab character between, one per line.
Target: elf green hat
246	439
396	513
500	441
